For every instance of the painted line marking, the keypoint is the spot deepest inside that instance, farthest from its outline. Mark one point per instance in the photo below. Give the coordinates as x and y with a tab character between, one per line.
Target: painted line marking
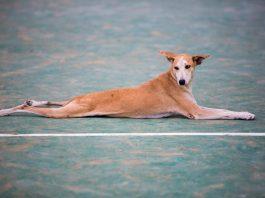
127	134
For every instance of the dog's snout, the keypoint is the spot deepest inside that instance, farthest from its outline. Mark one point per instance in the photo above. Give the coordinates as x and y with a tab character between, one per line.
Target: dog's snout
182	82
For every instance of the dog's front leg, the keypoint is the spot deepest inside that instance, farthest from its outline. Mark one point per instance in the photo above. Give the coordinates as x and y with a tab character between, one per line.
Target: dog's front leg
211	114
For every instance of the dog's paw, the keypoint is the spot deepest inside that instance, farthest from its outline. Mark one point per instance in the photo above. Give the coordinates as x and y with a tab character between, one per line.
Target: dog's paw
246	116
28	103
31	103
3	112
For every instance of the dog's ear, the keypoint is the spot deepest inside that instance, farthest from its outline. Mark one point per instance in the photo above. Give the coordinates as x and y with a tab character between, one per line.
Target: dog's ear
197	59
169	55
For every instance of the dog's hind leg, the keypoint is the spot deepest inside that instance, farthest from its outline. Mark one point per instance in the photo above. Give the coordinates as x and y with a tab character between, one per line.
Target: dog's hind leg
4	112
35	103
32	103
67	111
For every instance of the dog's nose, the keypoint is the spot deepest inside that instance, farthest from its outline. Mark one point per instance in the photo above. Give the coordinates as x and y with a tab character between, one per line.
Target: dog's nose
182	82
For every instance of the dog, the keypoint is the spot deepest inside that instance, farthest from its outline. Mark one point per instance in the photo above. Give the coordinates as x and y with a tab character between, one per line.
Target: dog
168	94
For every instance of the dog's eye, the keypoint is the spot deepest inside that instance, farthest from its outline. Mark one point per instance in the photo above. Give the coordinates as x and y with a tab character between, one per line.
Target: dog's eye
176	68
187	66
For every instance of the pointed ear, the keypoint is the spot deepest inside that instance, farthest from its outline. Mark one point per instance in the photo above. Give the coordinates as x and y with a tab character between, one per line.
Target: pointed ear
199	58
169	55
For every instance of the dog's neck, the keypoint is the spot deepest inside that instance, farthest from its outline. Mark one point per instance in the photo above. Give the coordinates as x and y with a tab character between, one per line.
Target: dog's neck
168	83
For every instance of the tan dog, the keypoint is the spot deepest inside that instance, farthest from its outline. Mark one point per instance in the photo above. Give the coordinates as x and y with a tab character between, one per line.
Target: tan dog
166	95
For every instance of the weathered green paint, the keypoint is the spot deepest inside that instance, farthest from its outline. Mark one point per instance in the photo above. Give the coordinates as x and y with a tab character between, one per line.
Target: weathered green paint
135	167
53	50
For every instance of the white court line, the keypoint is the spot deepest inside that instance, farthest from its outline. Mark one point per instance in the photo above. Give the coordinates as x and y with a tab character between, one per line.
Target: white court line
128	134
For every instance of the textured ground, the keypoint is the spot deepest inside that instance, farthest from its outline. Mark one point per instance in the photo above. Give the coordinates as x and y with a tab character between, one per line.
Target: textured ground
133	167
53	50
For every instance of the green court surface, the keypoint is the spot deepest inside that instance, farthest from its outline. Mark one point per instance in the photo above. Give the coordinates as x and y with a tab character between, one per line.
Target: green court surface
53	50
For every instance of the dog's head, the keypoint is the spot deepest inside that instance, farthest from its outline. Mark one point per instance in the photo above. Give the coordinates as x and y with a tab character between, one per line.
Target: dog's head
183	65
